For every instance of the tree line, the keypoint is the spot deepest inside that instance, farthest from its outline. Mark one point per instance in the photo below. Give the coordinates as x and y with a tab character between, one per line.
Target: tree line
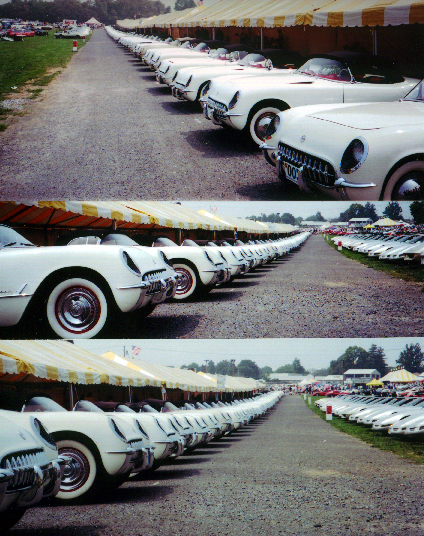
411	358
105	11
356	210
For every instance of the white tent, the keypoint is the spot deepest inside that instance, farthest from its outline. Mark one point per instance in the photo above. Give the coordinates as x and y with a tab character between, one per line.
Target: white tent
398	376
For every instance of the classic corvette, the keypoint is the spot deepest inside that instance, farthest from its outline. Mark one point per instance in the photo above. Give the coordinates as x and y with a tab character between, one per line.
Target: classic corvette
30	467
361	152
340	77
100	450
76	289
189	82
191	51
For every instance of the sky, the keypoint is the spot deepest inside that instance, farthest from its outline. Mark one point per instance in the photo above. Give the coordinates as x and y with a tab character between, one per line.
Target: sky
312	353
242	209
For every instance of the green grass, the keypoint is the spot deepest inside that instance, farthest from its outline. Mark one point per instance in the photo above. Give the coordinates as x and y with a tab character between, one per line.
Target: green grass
401	270
29	61
411	448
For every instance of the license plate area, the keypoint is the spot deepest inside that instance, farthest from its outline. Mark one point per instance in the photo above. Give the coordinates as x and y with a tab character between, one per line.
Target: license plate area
291	172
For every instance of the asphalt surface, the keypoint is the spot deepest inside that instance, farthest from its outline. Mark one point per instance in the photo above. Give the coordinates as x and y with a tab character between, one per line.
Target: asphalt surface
104	129
312	292
290	473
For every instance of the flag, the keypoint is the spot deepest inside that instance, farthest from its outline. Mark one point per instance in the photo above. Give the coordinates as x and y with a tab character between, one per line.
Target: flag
135	350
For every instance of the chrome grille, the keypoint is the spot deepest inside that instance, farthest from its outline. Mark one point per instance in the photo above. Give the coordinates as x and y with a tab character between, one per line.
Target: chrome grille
218	106
314	169
155	279
22	464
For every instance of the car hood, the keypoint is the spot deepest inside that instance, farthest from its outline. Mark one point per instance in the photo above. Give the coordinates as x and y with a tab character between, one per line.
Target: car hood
258	82
375	115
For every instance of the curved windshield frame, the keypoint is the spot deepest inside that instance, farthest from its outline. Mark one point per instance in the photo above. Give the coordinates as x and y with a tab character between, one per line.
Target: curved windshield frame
417	94
252	60
86	405
164	242
41	403
10	238
327	68
117	240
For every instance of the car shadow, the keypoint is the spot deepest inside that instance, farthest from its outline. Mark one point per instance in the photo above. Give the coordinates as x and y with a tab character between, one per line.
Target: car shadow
218	142
158	326
182	107
240	284
164	473
218	294
160	90
275	190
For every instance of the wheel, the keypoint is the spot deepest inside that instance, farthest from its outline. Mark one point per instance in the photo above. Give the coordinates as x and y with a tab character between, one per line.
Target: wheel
76	308
187	282
80	473
260	121
406	183
10	518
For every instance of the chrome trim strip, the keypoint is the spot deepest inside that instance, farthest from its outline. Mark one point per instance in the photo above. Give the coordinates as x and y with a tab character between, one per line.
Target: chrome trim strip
342	183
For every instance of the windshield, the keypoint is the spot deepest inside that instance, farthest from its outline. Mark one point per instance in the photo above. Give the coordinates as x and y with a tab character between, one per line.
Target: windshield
190	243
86	405
417	93
163	242
118	240
10	238
201	47
253	60
325	68
40	403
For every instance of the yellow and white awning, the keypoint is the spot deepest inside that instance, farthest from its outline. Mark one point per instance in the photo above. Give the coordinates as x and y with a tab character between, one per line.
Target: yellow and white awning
240	224
398	376
61	361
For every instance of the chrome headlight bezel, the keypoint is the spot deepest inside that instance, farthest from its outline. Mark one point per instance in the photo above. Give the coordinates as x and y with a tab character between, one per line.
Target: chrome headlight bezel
357	158
129	263
234	100
209	258
116	429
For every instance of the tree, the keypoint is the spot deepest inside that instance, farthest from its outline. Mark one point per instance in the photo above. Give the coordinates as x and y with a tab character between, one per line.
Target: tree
288	218
224	367
393	211
370	212
248	369
265	372
376	359
183	4
294	368
411	358
318	217
353	357
417	211
193	365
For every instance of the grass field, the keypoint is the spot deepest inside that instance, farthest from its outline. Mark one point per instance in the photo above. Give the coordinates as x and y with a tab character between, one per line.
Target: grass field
411	448
31	62
400	269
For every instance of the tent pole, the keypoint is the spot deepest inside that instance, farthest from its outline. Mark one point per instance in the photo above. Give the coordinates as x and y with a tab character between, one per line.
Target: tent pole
213	33
262	38
374	41
71	396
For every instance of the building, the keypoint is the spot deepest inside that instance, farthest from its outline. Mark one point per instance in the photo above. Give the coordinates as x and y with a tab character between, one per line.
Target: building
359	223
357	376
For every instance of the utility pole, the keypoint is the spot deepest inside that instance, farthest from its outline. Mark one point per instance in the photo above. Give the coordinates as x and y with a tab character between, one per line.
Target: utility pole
207	361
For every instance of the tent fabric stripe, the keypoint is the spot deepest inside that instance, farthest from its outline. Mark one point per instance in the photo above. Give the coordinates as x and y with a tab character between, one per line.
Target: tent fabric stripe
272	14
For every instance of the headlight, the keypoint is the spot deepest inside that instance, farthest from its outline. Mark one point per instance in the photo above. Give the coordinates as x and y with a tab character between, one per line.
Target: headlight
206	88
234	100
189	81
165	259
273	127
117	430
130	264
43	434
167	69
208	257
354	155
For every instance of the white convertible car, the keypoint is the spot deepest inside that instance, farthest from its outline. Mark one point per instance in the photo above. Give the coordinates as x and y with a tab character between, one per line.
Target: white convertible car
101	451
361	152
190	82
30	467
250	103
76	289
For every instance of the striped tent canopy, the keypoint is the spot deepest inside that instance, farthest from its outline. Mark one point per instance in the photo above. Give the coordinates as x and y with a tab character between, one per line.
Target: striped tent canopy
173	19
103	214
385	222
284	13
232	383
240	224
128	24
171	378
61	361
398	376
175	216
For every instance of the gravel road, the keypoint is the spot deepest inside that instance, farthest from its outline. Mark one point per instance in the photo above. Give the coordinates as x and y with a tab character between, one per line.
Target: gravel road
104	129
313	292
289	474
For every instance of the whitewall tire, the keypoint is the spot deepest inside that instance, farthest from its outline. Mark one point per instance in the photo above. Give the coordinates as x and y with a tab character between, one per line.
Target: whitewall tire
80	473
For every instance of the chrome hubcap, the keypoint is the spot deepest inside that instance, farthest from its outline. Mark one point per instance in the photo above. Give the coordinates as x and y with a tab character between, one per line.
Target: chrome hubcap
77	309
410	187
77	470
185	281
262	124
